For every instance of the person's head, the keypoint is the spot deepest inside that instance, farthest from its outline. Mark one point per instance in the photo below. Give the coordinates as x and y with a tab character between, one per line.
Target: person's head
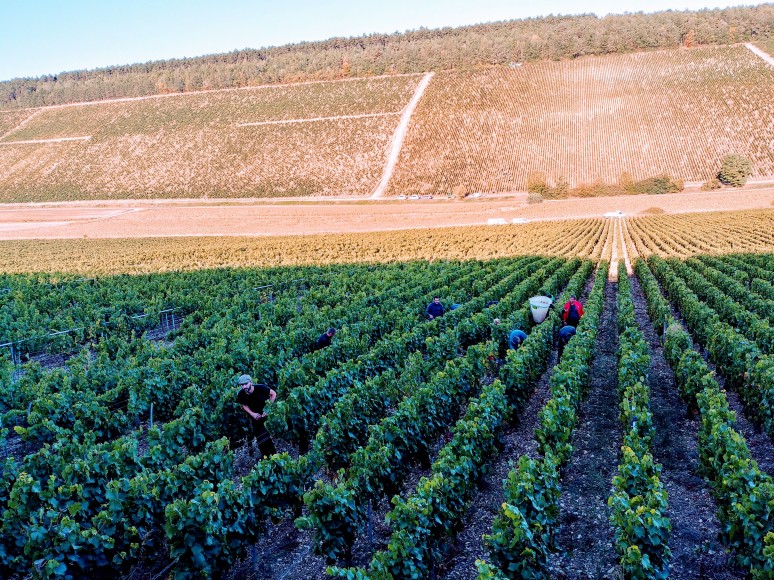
331	331
436	299
572	297
516	341
496	321
245	382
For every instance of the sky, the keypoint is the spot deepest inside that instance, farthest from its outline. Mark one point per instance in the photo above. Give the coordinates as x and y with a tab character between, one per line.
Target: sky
40	37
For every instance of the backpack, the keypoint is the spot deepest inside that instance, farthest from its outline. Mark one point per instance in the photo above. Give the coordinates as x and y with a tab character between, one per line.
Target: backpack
572	315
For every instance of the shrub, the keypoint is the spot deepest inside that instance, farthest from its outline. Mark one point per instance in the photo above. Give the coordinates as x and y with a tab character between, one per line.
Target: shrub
711	184
534	197
596	189
657	185
561	189
735	170
537	183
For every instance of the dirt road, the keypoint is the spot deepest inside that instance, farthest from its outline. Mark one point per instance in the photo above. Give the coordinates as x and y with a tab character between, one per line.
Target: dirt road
160	218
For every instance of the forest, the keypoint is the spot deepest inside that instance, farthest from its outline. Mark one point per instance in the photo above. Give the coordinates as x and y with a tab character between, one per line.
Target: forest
498	43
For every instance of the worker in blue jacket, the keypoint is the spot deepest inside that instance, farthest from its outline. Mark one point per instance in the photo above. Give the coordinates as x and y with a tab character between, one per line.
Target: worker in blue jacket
565	334
516	338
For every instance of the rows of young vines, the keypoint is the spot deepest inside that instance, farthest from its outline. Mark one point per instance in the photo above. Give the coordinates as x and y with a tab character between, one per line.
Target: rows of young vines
209	144
124	456
582	238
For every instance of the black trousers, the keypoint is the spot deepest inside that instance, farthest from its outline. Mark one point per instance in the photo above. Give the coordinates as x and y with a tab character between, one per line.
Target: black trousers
262	437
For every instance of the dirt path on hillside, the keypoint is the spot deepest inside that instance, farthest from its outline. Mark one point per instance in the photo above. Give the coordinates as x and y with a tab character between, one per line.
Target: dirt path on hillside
769	59
396	143
696	551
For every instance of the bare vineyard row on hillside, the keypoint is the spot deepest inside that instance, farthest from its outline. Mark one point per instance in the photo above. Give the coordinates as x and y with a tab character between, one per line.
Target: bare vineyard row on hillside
673	112
336	158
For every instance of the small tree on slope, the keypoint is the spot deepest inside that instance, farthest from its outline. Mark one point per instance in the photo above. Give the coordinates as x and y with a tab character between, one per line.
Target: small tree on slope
735	170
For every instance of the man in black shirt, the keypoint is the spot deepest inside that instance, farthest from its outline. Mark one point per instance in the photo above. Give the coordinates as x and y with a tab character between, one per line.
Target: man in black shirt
434	309
253	399
325	338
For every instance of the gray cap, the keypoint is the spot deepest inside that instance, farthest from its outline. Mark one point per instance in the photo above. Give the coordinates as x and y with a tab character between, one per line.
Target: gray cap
244	379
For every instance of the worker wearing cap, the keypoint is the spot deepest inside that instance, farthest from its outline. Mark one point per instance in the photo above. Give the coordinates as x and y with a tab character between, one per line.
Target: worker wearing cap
565	334
253	400
516	338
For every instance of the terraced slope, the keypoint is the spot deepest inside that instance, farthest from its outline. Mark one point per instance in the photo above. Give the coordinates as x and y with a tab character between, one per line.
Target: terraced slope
315	138
596	119
677	112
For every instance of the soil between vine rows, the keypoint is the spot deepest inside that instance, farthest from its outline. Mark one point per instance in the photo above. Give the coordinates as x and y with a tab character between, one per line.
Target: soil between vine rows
761	446
516	439
286	553
585	538
696	549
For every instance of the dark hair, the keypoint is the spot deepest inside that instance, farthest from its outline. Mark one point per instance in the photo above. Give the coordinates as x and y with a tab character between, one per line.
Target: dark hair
331	330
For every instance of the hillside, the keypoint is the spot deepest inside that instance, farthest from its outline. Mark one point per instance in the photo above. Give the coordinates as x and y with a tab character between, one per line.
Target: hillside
594	120
675	112
528	40
319	138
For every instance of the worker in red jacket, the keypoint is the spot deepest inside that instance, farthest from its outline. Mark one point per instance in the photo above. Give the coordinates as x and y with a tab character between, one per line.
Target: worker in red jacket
572	312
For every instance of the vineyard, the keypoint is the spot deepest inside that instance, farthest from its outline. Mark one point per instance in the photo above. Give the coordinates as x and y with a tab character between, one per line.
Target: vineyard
675	112
664	235
234	143
408	448
602	120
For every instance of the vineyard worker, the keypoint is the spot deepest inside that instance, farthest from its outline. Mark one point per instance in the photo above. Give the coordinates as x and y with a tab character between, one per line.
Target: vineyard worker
516	338
565	334
253	400
434	309
325	338
572	312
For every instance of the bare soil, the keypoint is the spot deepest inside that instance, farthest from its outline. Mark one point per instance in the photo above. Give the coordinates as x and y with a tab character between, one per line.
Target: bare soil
516	439
761	446
251	217
586	539
696	549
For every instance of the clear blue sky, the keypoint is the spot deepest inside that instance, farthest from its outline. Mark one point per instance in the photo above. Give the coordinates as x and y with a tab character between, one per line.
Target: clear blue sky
50	36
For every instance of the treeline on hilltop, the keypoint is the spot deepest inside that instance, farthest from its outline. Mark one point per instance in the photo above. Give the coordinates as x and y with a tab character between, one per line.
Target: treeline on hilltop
552	37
